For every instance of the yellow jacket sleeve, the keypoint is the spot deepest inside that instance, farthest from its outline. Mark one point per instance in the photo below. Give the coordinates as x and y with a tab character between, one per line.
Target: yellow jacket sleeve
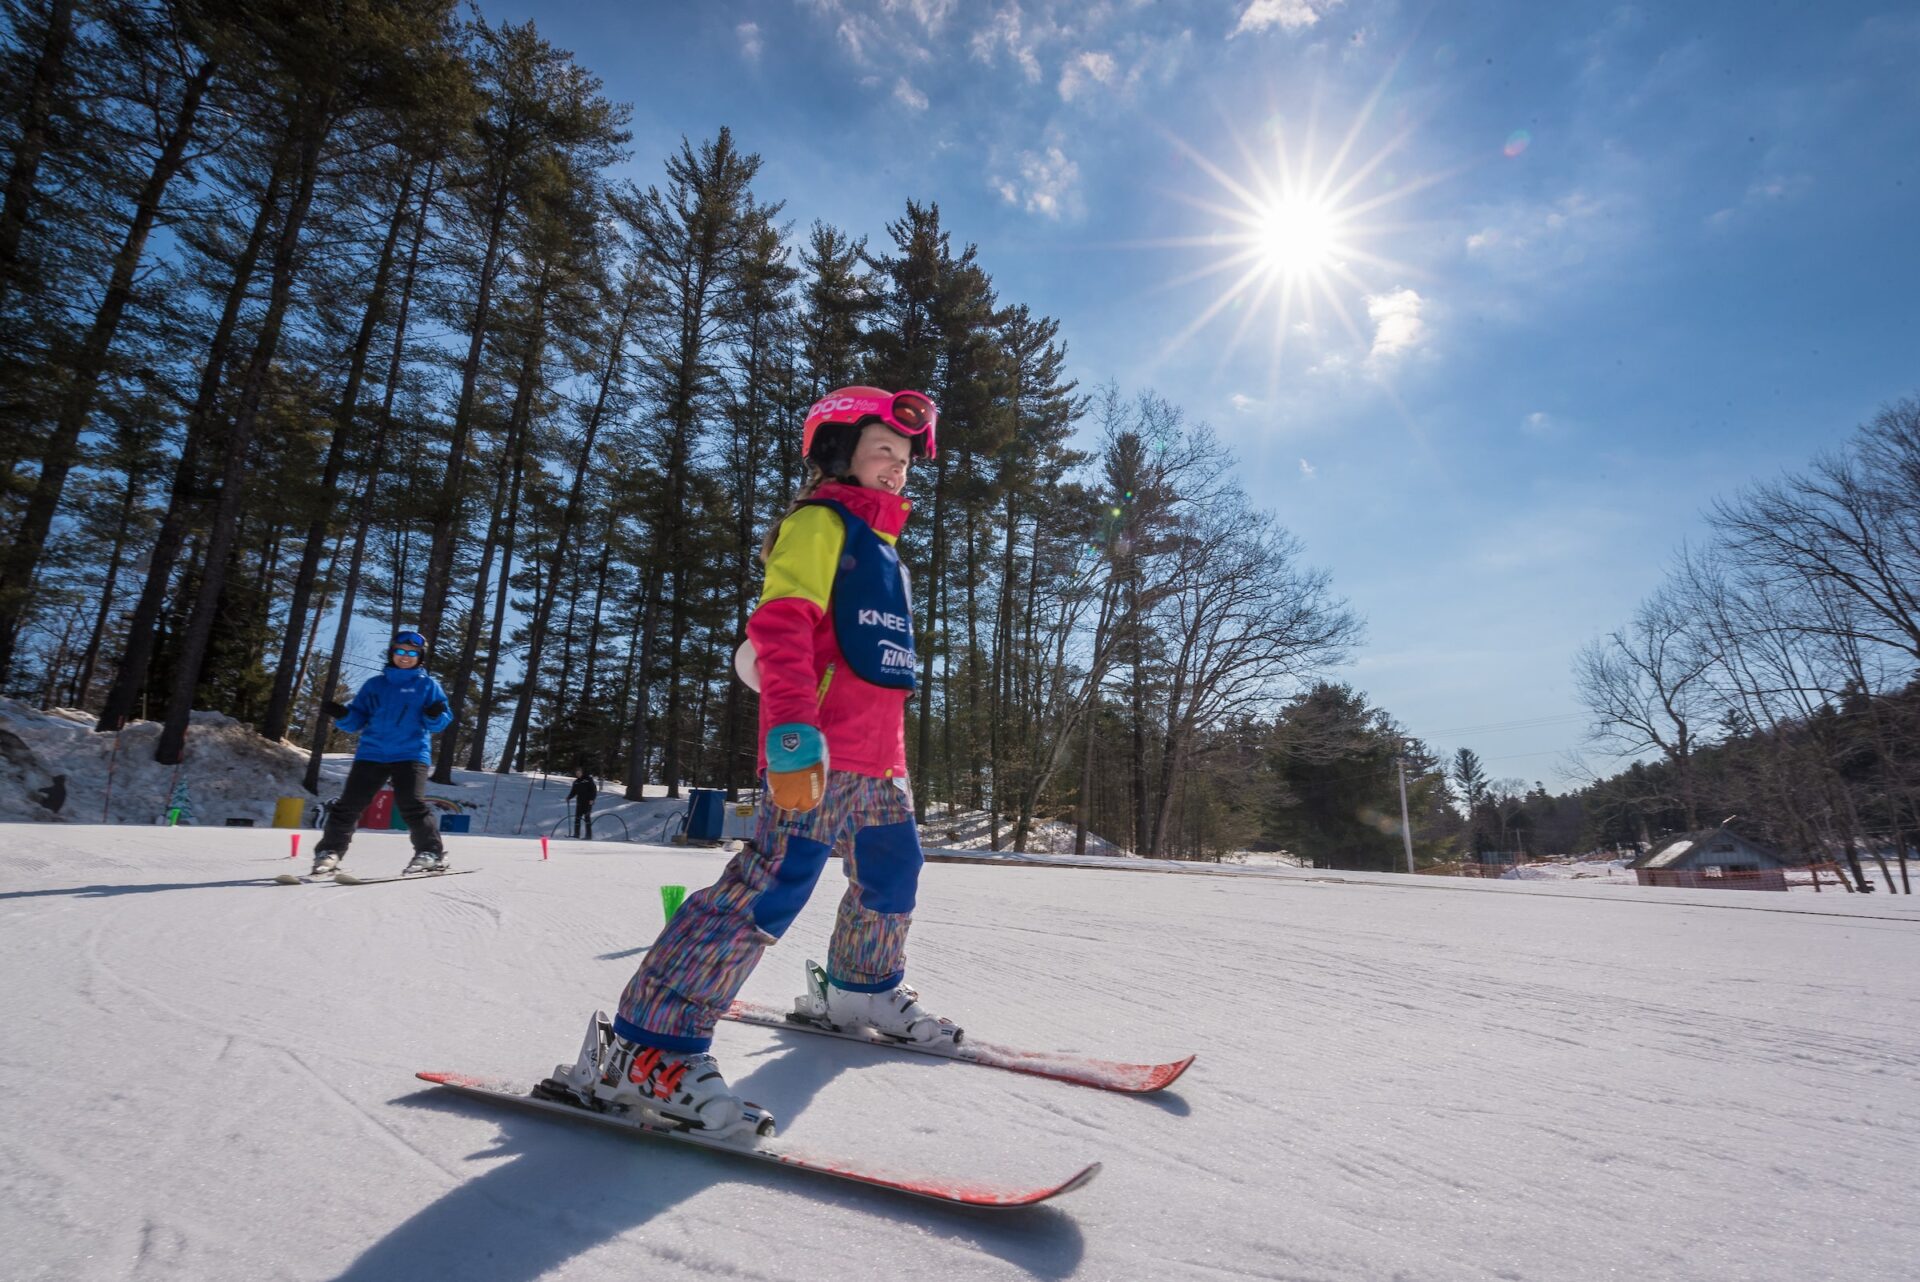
806	553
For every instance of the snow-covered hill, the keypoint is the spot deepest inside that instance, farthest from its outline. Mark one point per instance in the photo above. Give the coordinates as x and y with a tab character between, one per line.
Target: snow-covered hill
208	1077
231	774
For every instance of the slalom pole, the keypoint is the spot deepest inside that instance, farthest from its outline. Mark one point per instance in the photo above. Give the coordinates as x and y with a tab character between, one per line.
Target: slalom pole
488	825
113	759
543	847
295	852
522	825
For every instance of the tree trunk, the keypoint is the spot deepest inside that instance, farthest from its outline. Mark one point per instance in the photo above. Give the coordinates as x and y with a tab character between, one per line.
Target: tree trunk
581	710
476	617
35	133
131	679
447	505
83	678
476	752
1084	811
518	729
936	567
274	725
642	748
314	123
363	513
21	560
570	514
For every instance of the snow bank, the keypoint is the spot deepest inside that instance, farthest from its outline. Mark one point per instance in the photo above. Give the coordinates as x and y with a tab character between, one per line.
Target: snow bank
232	773
229	772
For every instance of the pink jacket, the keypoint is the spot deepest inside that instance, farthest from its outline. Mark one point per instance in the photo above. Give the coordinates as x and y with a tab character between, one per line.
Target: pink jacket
803	676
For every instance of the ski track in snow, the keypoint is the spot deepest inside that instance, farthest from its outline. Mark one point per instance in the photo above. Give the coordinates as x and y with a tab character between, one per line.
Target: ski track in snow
1510	1082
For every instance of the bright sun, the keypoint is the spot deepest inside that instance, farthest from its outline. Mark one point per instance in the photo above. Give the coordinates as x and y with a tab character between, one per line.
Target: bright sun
1296	237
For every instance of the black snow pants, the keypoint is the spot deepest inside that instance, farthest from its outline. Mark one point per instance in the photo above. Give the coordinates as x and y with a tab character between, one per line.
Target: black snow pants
364	779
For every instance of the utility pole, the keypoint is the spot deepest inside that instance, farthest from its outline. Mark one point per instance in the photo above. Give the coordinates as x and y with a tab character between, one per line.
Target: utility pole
1406	828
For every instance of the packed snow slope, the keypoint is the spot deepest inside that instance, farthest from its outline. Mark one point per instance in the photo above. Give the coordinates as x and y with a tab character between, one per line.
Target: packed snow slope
209	1077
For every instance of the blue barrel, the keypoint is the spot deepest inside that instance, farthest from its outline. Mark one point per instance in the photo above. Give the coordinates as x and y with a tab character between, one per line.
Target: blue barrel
704	814
456	823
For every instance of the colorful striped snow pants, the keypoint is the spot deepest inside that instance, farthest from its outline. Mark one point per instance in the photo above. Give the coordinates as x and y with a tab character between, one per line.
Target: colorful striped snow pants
705	954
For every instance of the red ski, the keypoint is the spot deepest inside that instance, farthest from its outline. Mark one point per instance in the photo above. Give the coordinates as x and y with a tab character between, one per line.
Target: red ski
948	1190
1081	1070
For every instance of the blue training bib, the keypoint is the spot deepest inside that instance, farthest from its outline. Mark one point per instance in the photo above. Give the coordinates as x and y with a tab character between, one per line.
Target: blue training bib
872	610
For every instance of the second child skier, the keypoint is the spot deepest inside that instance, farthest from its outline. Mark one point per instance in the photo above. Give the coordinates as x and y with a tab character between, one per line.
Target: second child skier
396	715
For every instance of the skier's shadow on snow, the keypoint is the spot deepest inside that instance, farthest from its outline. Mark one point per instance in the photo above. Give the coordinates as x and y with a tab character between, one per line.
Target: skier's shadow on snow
123	888
568	1189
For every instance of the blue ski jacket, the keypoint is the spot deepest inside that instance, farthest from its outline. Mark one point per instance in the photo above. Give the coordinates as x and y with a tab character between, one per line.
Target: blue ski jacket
390	716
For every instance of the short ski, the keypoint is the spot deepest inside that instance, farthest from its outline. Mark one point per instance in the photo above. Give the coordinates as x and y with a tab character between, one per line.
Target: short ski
946	1190
302	879
1106	1075
348	879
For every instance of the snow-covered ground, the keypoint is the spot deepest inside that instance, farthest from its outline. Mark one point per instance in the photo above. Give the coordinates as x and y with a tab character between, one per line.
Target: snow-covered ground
209	1077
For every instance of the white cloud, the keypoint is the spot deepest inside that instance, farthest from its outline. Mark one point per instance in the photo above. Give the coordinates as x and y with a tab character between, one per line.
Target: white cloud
1242	402
1546	427
907	96
930	14
1529	238
1005	31
885	37
1290	15
1308	470
750	43
853	34
1397	322
1766	190
1082	69
1048	183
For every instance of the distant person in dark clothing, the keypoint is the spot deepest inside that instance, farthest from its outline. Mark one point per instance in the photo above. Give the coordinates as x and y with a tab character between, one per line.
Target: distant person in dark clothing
584	791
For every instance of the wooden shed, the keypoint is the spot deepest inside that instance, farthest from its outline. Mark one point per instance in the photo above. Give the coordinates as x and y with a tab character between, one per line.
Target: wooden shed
1712	859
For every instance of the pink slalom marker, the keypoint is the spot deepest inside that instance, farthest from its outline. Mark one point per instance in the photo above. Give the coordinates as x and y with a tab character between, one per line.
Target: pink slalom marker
543	847
295	852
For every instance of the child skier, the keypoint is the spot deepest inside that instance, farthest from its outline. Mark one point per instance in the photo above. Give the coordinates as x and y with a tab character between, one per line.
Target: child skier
396	715
833	643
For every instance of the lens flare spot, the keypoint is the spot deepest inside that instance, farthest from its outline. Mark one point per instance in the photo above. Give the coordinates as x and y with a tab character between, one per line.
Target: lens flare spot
1516	143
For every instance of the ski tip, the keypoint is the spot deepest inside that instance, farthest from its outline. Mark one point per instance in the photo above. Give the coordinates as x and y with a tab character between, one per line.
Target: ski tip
1164	1075
453	1079
1078	1180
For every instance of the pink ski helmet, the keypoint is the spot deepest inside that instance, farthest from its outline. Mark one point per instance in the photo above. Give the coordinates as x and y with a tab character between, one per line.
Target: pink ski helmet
912	414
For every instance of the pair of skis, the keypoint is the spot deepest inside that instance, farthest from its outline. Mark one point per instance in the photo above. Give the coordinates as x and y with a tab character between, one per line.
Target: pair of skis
1135	1079
342	878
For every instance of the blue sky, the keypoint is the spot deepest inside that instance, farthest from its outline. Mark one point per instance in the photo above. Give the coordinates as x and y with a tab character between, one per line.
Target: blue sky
1574	269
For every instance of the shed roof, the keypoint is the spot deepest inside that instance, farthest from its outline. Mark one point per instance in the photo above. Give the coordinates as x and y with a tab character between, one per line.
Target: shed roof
1673	849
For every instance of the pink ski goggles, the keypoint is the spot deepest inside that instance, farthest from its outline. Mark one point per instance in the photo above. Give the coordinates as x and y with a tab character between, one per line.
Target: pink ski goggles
912	414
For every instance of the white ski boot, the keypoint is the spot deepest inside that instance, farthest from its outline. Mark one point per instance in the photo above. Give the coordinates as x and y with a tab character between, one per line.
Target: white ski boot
425	861
894	1014
325	864
685	1091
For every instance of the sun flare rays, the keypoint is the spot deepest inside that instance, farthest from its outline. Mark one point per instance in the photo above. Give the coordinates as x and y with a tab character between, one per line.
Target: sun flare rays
1295	239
